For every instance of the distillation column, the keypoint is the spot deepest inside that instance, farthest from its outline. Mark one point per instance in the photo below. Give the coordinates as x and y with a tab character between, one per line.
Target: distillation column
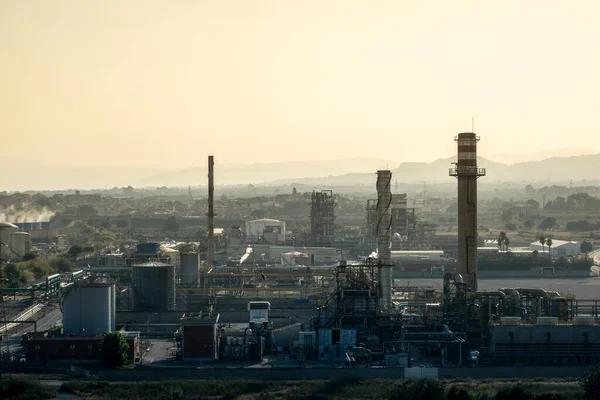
384	237
210	256
466	171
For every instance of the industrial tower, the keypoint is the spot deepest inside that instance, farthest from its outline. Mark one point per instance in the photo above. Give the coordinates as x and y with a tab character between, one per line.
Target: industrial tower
322	218
466	171
384	237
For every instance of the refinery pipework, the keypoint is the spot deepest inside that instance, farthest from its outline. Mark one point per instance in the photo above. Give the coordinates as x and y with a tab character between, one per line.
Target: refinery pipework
467	172
384	237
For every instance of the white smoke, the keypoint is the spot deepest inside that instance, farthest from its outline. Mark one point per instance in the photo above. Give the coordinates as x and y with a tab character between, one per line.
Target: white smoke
373	255
245	256
11	214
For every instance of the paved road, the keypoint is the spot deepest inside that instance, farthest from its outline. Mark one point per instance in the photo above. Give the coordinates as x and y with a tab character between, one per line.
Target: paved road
158	352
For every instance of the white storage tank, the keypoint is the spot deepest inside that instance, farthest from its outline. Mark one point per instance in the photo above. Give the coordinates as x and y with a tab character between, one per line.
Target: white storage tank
89	310
20	243
6	231
189	268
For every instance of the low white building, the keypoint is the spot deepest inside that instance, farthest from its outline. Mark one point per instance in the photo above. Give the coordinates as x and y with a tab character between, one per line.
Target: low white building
256	228
559	248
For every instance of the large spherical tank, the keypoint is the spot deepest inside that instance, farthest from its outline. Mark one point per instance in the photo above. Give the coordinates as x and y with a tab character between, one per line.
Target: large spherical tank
148	248
89	310
153	287
20	243
6	231
189	268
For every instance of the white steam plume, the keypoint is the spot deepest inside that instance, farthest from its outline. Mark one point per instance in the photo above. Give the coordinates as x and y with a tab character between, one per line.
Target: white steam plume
10	214
245	256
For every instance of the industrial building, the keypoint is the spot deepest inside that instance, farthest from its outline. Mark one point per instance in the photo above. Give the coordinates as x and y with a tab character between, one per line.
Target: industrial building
200	338
46	348
265	227
559	248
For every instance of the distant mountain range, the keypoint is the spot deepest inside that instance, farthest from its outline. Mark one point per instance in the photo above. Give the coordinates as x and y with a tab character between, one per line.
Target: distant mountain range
19	174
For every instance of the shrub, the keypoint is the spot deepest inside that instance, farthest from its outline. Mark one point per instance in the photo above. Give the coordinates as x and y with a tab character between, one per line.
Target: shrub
550	396
418	389
25	389
517	392
590	382
456	393
28	256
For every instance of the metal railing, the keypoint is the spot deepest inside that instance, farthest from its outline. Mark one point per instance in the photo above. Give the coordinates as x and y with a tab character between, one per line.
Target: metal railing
466	170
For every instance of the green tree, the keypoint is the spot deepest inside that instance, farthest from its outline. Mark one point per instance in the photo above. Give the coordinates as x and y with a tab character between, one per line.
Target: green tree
74	251
585	246
500	239
533	204
543	243
114	348
549	244
529	224
29	256
548	223
128	191
64	264
15	276
510	226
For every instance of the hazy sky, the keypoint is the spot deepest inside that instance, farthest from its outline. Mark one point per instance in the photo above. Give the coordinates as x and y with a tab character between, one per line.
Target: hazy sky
163	83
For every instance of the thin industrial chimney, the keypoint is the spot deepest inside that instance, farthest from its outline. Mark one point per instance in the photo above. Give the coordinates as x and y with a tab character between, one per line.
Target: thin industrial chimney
384	237
210	256
466	171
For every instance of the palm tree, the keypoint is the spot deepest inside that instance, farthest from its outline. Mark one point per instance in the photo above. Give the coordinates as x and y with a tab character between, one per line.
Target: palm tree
549	244
506	243
500	240
543	242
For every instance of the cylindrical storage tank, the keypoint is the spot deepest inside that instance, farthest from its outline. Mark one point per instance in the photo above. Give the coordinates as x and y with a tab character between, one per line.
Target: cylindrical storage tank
153	287
148	248
20	243
89	310
189	268
6	231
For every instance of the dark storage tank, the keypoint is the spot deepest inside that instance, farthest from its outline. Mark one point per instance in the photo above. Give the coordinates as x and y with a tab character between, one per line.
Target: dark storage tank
148	248
153	285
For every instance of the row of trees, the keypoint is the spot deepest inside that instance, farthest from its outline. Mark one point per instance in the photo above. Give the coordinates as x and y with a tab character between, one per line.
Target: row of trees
574	202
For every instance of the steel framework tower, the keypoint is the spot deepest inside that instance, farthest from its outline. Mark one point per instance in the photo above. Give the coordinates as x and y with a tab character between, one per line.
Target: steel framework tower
322	218
467	172
384	237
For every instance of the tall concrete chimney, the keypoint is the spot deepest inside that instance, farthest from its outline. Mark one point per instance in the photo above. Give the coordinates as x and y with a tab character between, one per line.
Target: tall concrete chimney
466	171
210	254
384	237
